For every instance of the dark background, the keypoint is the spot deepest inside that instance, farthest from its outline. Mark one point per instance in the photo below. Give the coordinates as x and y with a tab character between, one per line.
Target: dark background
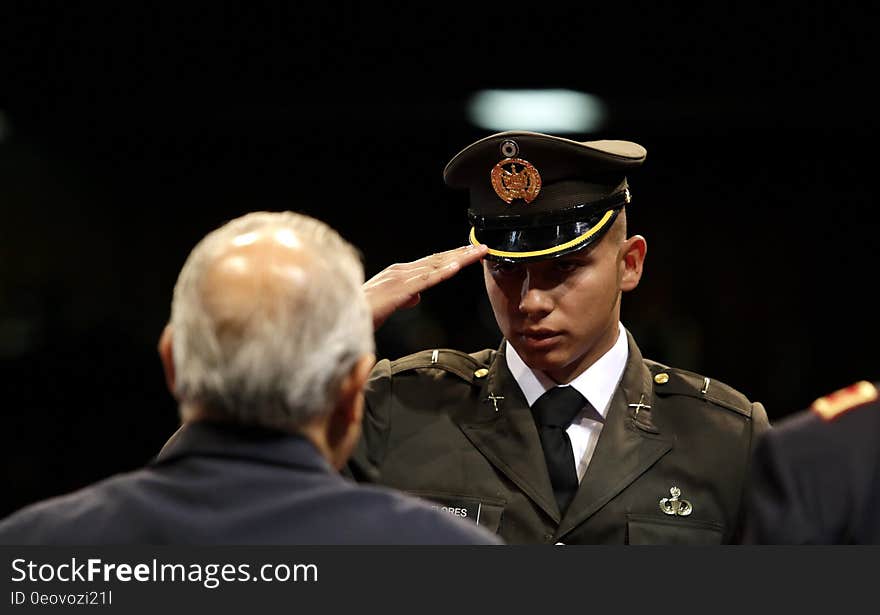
128	135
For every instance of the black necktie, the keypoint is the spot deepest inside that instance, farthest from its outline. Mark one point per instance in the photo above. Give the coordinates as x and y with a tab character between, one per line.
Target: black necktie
553	412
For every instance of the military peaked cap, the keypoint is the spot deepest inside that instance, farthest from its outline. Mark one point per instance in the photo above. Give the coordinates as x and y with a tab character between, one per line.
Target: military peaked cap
536	196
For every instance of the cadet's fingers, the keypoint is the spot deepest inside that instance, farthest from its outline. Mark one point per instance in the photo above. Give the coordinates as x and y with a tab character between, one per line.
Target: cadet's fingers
465	255
432	270
399	285
424	277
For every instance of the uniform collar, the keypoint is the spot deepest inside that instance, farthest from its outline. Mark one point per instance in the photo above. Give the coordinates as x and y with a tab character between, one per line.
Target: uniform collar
597	383
242	442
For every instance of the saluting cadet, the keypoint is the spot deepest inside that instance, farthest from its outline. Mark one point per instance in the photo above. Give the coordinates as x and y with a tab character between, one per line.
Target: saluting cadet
565	433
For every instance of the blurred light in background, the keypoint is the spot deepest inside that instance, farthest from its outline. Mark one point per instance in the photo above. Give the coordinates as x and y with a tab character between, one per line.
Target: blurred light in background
554	111
4	127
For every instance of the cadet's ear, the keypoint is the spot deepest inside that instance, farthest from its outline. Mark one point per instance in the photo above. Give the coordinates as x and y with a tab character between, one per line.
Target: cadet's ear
632	253
166	354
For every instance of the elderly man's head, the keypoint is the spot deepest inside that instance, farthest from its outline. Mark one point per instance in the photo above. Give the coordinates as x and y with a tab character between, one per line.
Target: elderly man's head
269	325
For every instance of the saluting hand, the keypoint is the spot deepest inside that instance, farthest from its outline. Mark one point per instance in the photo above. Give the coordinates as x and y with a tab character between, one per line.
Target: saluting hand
399	285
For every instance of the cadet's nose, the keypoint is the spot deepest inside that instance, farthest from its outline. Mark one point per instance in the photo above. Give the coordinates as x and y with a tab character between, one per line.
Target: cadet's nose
534	302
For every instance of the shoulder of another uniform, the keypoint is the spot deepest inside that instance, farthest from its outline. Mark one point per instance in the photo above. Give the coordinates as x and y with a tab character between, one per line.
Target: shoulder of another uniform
468	367
673	381
858	395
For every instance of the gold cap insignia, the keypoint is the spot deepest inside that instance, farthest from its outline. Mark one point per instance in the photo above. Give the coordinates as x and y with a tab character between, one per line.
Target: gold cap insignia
511	182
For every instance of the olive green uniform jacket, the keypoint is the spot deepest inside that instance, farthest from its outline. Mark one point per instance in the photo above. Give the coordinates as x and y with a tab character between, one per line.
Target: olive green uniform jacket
431	428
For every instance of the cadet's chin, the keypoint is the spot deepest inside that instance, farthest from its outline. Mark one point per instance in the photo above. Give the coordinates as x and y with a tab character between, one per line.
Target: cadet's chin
544	359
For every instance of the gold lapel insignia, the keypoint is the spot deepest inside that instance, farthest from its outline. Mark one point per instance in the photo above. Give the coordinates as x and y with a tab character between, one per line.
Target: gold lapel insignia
515	178
674	506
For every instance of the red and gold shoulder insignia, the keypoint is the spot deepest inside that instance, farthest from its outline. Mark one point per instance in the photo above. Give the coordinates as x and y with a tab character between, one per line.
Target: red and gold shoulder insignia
853	396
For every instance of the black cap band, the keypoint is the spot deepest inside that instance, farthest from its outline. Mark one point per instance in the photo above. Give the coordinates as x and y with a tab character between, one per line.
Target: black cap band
538	243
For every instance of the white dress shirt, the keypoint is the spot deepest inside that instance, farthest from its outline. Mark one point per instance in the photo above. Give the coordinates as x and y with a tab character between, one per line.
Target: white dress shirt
597	383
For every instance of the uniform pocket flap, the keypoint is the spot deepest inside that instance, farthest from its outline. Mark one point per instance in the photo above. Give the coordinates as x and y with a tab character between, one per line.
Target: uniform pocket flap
654	530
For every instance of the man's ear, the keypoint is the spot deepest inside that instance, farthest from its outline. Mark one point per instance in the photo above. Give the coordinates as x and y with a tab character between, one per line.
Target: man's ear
343	425
166	354
350	401
632	260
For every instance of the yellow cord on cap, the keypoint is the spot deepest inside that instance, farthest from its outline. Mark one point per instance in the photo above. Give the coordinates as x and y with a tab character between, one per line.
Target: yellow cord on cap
559	248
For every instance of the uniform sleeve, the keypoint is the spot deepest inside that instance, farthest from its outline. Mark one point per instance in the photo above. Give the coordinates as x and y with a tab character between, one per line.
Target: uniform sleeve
760	422
782	505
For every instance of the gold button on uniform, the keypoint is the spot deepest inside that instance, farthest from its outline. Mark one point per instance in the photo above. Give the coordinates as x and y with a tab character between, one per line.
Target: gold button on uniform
661	378
481	373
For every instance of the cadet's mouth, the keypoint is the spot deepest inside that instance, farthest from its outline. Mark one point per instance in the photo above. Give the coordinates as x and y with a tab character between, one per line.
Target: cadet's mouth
537	339
539	333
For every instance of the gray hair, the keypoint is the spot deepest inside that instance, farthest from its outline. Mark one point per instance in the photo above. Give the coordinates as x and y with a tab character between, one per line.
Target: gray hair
281	363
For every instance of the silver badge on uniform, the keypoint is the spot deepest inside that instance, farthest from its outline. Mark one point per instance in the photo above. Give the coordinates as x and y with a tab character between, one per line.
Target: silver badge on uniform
675	506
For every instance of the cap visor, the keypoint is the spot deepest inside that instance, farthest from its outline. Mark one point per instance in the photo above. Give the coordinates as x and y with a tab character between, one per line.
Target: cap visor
542	242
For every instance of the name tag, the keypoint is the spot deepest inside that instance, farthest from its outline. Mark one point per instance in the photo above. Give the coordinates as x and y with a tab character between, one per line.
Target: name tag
458	508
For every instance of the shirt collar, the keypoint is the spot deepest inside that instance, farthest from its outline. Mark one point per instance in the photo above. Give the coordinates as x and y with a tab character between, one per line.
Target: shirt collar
215	439
597	383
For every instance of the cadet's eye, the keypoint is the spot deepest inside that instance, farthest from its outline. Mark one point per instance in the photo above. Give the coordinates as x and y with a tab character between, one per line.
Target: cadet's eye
502	268
567	266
